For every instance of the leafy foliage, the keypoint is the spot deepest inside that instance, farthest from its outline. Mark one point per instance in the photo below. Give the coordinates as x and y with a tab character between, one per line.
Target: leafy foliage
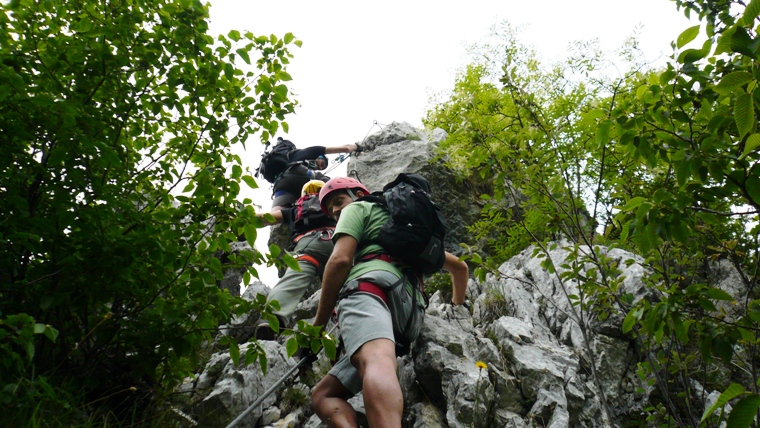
660	162
118	188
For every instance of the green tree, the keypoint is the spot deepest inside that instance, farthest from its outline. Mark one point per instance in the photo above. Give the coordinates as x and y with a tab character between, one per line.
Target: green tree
661	162
118	188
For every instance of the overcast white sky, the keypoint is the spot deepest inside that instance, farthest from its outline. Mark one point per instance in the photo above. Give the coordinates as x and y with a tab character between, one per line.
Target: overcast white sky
381	61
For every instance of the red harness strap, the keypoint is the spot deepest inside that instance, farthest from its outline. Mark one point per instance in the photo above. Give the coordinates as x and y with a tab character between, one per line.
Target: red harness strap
309	259
371	288
379	256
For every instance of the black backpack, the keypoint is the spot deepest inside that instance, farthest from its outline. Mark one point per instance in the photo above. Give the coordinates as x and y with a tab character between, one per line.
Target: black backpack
276	161
416	230
308	215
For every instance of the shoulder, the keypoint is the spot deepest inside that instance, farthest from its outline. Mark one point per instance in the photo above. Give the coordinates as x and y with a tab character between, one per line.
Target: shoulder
367	213
355	211
365	207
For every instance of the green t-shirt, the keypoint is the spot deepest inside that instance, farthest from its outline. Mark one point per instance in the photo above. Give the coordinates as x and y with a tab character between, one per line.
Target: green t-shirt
362	221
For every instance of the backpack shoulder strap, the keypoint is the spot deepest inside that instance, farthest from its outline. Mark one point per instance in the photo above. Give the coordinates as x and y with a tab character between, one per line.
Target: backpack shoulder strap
376	197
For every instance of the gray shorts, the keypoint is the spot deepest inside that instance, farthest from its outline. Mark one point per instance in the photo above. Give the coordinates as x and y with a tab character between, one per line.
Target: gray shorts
362	317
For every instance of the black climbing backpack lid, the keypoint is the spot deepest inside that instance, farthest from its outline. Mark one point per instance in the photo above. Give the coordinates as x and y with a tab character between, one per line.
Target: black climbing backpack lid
416	230
276	161
308	215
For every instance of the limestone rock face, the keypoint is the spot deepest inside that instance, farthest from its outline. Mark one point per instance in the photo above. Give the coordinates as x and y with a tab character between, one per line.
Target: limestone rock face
518	358
523	364
234	387
398	148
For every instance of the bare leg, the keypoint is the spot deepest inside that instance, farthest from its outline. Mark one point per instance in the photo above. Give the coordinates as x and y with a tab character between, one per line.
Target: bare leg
329	402
383	400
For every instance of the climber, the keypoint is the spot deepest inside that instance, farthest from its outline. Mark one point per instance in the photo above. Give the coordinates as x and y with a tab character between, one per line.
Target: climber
311	233
305	165
369	363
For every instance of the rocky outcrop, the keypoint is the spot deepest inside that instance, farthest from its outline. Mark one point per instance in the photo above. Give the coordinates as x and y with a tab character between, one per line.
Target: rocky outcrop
512	360
398	148
522	356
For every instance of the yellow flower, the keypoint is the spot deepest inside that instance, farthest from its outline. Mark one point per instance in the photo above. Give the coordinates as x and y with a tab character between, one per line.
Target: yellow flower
481	365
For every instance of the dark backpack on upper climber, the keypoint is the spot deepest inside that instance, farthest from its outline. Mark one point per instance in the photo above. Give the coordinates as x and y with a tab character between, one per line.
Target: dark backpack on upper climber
276	161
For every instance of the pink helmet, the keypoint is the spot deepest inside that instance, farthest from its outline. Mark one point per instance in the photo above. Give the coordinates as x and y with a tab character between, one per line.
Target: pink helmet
339	183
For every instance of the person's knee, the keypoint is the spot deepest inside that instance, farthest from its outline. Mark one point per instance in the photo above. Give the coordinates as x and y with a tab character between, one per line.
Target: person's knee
318	395
328	387
377	355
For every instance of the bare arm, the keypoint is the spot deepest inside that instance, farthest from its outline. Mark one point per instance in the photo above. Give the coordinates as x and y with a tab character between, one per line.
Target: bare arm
336	272
459	275
278	217
346	148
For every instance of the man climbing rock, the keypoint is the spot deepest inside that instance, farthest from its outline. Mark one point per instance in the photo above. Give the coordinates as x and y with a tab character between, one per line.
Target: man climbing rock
305	165
311	233
366	322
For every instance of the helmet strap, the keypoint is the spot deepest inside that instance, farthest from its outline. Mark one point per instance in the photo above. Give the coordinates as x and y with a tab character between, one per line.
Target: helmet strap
351	194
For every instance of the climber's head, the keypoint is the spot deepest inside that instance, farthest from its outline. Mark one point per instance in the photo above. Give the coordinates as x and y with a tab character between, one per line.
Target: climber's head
339	192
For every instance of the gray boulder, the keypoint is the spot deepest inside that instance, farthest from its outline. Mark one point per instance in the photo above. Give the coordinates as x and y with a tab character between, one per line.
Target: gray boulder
235	387
400	147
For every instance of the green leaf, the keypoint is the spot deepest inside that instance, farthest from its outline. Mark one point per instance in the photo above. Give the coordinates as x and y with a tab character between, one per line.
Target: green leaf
237	171
315	346
733	80
719	294
723	348
234	352
330	348
750	13
682	332
633	203
744	412
273	321
250	233
250	181
603	132
263	363
687	36
629	322
291	346
274	250
216	267
291	262
288	38
234	35
741	42
84	25
162	216
752	185
694	55
244	54
679	230
51	333
744	113
729	394
752	143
